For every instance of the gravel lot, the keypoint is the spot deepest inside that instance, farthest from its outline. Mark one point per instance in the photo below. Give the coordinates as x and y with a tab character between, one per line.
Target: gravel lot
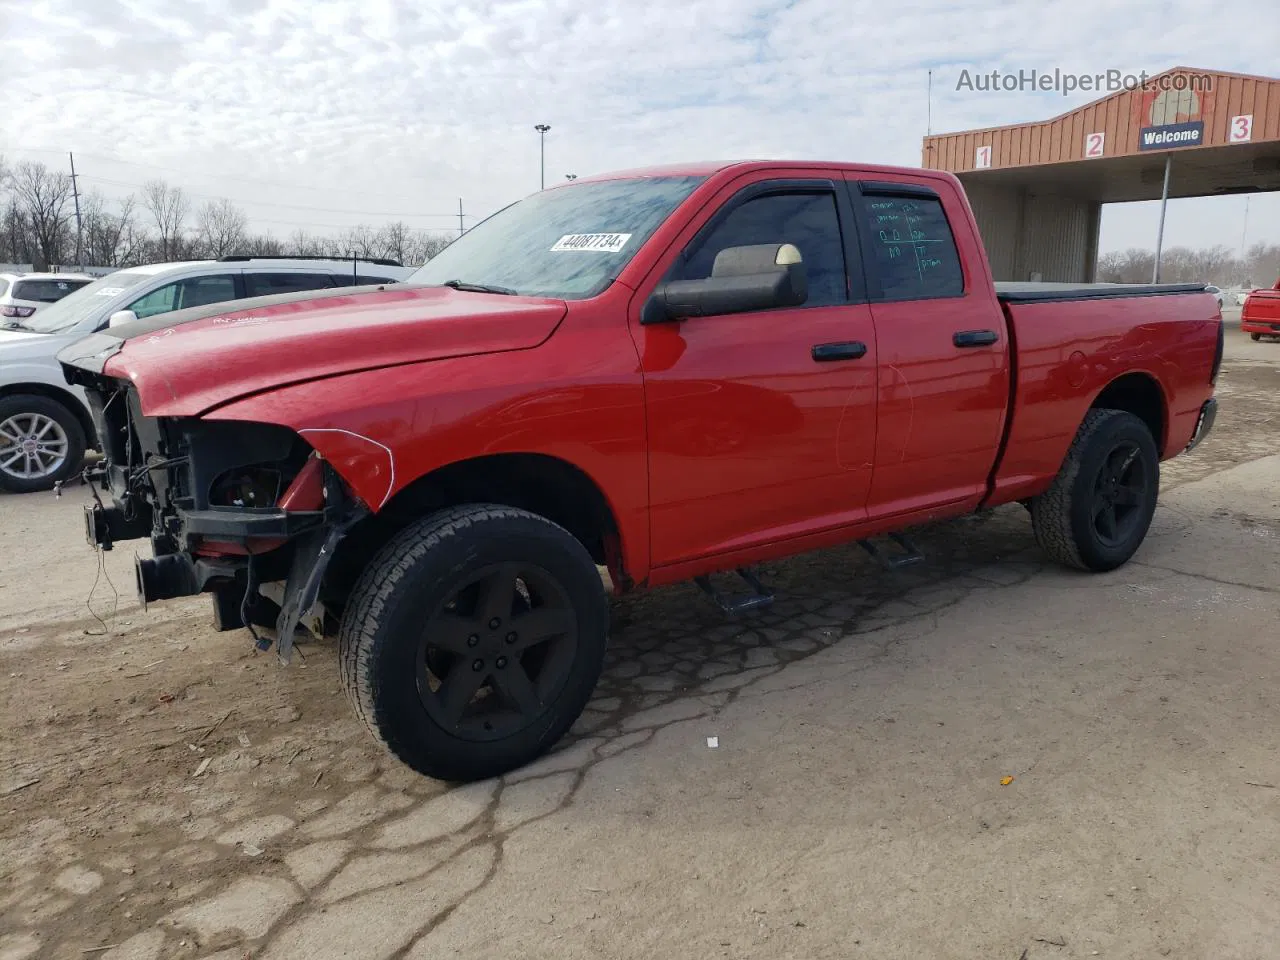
169	793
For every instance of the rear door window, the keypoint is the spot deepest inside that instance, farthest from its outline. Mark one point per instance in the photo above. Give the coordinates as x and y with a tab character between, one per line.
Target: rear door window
347	280
4	285
264	284
910	247
45	291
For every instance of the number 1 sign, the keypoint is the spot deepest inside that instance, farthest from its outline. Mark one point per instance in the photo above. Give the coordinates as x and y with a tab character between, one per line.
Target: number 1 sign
982	157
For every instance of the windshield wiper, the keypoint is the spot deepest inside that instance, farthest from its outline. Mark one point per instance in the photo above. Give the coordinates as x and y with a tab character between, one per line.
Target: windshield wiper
478	287
14	325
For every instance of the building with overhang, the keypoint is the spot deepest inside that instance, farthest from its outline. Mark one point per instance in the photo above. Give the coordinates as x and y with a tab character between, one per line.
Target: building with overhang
1037	189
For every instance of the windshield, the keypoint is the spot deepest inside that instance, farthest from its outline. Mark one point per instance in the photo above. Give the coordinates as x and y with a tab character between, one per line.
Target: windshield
73	308
568	243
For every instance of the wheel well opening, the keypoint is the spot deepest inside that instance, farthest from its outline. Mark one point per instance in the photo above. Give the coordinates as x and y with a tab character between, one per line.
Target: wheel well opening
541	484
1139	394
64	397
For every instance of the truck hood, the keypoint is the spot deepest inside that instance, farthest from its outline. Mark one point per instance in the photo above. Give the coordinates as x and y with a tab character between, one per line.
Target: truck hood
187	362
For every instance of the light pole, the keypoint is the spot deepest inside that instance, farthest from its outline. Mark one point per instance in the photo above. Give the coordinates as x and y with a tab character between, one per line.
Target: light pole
542	129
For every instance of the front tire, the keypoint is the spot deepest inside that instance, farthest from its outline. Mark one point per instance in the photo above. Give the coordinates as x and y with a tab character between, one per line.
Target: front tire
473	640
41	443
1097	512
1255	337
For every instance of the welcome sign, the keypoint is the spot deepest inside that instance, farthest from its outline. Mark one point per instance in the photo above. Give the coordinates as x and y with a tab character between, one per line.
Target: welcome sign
1171	135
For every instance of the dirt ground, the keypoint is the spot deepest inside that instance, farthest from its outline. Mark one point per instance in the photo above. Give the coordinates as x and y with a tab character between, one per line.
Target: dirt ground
165	792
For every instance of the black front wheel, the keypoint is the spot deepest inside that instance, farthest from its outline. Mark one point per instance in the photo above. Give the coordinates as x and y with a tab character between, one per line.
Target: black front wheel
472	642
1097	512
1255	337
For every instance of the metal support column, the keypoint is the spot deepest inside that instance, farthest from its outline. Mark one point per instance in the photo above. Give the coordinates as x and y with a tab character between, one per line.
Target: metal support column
1164	202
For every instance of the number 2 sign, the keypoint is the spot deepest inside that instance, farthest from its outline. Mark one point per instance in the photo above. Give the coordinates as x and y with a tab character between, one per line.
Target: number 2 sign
1093	144
982	157
1241	130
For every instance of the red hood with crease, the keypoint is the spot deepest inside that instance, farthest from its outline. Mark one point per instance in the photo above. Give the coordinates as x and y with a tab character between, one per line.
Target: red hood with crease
196	364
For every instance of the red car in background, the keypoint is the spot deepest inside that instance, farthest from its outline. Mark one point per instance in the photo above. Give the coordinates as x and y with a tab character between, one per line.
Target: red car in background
1260	316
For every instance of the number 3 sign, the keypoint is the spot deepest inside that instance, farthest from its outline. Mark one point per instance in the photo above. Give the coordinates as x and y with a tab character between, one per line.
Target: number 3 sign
1241	130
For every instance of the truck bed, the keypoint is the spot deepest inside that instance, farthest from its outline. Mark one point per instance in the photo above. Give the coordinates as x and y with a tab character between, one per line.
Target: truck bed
1029	292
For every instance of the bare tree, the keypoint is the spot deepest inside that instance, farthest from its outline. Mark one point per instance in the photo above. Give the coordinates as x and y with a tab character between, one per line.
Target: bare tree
261	245
303	244
359	241
169	207
111	239
220	226
395	240
15	243
423	246
42	195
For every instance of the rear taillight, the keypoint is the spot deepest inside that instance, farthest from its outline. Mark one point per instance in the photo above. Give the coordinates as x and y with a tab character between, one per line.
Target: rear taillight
19	312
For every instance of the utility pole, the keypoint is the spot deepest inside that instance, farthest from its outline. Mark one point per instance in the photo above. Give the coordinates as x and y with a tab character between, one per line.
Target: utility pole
461	229
75	192
928	117
1244	231
542	129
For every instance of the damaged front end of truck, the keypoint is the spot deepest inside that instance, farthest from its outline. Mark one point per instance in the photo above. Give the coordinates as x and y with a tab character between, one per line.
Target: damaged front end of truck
250	513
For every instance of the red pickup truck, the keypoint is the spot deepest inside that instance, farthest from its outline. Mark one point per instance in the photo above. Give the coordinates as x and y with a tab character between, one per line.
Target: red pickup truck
1260	315
668	373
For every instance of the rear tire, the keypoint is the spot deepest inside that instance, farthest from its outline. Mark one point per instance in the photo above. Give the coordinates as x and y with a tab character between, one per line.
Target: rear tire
1097	512
57	433
473	640
1255	337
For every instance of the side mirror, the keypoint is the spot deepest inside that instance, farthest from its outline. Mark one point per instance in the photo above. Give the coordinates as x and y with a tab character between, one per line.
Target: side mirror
121	316
759	277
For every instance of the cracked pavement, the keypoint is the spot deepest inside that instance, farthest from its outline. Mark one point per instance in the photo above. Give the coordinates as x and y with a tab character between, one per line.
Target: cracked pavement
167	793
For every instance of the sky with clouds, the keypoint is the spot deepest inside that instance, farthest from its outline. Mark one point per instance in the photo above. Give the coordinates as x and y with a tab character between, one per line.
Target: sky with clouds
321	114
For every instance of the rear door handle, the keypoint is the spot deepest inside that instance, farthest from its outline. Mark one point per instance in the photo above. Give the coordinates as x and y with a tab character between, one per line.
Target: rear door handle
974	338
850	350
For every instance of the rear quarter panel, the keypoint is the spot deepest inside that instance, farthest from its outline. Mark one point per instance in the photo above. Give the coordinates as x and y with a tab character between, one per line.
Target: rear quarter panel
1069	351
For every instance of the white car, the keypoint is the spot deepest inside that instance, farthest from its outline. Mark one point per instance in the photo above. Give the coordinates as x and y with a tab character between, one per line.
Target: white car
1217	292
45	425
24	294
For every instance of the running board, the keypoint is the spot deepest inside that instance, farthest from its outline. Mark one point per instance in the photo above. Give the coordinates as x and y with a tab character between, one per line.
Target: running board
909	555
760	597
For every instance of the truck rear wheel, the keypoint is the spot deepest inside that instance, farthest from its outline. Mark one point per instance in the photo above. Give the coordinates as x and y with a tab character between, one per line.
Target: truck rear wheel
41	442
1255	337
1099	508
473	640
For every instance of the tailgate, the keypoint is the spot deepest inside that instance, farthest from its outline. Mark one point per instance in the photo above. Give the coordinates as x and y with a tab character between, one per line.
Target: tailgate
1262	308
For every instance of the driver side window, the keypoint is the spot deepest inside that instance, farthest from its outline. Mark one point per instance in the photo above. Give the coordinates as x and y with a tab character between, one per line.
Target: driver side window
193	292
809	221
160	300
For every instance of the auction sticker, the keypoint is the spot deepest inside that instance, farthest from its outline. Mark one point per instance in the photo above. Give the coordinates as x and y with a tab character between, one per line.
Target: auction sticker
592	242
110	291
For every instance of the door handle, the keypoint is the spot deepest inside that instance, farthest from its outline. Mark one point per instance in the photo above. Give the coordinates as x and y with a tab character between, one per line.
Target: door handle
850	350
974	338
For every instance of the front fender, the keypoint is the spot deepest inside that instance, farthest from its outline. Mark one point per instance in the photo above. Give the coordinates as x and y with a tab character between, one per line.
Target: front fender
382	430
